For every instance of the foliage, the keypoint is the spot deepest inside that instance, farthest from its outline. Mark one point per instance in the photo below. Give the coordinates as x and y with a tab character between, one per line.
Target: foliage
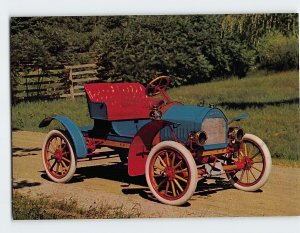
26	208
251	27
271	100
278	52
131	48
188	48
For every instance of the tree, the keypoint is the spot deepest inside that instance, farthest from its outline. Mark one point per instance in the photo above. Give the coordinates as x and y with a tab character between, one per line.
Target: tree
251	27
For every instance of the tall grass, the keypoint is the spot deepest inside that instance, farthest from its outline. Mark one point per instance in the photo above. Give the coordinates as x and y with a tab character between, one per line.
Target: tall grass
272	100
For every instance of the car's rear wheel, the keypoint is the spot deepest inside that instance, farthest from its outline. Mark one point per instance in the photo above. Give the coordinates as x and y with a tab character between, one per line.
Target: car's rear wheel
58	157
171	173
257	158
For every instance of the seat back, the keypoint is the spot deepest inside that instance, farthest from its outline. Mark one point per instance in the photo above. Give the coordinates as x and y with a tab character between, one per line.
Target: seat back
123	93
118	101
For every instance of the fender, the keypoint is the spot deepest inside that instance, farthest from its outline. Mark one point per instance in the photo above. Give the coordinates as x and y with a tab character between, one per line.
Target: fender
75	133
141	146
238	118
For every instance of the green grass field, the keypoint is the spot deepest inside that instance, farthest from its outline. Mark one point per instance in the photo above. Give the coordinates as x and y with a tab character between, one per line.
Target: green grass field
272	101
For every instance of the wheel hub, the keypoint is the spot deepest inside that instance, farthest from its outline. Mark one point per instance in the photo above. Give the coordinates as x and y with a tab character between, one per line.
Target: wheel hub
170	172
58	155
247	163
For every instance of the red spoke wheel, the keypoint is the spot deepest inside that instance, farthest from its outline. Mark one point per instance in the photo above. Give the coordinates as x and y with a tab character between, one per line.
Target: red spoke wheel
58	157
256	158
171	173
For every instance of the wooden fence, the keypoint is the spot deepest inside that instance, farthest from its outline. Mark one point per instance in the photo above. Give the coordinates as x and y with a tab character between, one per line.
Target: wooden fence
77	76
67	82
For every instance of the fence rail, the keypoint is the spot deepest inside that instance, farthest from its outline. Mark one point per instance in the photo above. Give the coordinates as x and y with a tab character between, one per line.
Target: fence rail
56	83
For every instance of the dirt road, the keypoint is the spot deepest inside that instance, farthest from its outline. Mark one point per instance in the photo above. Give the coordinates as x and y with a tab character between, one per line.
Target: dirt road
106	181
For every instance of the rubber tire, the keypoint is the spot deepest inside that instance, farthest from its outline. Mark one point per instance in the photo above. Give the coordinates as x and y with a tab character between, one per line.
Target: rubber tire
268	161
194	174
72	169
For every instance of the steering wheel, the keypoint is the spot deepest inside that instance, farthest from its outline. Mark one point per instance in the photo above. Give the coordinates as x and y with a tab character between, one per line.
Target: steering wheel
157	85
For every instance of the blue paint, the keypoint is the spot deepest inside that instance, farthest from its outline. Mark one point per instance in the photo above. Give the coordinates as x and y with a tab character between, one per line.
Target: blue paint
75	133
97	110
128	128
215	146
190	119
86	128
239	117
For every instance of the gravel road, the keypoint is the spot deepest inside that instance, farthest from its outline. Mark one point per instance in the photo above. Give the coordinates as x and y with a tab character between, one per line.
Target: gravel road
106	181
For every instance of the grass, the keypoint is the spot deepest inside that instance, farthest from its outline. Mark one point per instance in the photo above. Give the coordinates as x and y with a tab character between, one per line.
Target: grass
272	101
28	208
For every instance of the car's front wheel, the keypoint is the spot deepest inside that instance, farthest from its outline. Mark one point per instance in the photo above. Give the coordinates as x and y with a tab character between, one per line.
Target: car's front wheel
171	173
257	159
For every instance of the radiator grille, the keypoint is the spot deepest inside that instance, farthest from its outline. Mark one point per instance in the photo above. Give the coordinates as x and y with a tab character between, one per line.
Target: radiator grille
215	129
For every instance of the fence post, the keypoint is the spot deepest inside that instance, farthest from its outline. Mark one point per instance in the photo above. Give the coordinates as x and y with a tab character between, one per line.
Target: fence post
71	84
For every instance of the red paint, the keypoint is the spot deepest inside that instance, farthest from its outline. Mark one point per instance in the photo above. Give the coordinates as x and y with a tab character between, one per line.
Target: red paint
141	146
123	100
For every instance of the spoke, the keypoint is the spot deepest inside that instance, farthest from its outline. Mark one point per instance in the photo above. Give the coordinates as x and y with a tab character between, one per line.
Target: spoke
64	146
56	142
161	160
250	150
258	161
173	159
241	178
49	151
52	146
157	166
59	142
180	171
178	185
51	168
50	159
63	163
257	153
57	167
63	158
167	188
167	158
245	147
65	153
178	164
173	188
247	176
234	172
252	174
256	168
181	178
163	181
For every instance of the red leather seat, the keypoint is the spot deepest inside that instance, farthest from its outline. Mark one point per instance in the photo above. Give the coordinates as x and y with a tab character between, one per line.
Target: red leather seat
123	101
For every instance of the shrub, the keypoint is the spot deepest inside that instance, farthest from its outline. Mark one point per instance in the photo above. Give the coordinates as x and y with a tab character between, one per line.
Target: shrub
278	52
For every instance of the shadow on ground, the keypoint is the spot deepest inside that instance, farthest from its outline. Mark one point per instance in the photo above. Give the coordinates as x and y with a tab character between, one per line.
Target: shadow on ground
117	172
19	152
24	184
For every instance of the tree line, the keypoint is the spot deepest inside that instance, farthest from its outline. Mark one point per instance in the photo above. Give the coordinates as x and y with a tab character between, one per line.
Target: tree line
190	48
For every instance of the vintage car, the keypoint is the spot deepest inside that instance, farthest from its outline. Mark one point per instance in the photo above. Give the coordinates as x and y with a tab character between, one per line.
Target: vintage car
173	145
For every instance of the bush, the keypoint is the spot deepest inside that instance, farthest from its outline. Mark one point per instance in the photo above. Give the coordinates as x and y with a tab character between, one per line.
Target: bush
278	52
189	48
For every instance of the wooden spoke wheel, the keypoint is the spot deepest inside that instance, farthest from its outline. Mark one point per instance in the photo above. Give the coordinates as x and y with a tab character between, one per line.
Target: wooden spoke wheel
58	157
171	173
257	165
156	85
